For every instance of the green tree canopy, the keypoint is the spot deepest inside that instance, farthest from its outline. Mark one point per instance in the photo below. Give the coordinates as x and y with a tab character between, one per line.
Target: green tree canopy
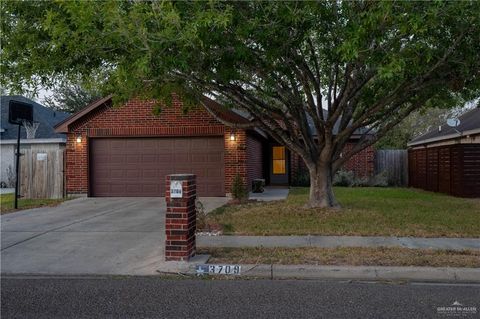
344	64
71	96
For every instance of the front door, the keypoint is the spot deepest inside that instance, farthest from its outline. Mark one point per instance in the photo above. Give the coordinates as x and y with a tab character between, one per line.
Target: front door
279	165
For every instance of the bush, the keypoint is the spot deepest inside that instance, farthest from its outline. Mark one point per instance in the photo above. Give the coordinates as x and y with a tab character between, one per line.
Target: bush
380	180
302	179
239	191
361	182
344	178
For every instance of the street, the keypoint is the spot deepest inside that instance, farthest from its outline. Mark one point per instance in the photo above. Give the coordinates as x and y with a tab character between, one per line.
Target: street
156	297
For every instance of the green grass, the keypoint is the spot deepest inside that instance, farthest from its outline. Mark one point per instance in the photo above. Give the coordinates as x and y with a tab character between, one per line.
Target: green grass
354	256
366	212
6	203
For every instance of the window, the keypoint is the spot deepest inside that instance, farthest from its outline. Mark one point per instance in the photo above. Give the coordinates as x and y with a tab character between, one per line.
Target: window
278	160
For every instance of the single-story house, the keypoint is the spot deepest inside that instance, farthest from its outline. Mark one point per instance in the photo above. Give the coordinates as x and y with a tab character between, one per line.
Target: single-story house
447	159
44	139
127	150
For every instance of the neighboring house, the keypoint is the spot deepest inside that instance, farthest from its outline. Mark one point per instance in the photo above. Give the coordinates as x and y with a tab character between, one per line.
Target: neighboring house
45	138
127	151
447	159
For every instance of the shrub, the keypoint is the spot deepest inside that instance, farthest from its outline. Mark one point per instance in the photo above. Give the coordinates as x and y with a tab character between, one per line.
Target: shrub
302	179
380	180
239	191
361	182
344	178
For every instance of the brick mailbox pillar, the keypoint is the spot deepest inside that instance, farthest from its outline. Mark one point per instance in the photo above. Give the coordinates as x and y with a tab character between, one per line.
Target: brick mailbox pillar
180	225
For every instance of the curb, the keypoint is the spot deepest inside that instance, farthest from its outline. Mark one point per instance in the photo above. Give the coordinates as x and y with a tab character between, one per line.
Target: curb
370	273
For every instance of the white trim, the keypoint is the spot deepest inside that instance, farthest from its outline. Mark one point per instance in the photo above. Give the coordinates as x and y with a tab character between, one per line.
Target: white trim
445	137
35	141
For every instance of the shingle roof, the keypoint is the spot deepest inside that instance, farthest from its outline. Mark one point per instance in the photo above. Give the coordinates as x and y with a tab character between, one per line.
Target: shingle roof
468	121
47	118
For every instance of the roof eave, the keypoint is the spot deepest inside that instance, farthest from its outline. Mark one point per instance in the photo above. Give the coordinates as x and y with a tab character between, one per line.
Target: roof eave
445	137
62	127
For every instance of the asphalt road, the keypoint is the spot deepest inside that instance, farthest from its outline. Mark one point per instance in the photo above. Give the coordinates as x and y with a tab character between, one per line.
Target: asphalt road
154	297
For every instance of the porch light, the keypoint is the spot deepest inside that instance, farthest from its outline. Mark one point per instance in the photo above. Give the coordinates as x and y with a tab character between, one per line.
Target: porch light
232	136
79	139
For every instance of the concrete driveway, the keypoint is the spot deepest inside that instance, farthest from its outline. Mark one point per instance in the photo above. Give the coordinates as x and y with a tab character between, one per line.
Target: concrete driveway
87	236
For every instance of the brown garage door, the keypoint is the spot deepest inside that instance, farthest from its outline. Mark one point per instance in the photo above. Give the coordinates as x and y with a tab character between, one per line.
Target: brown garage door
137	166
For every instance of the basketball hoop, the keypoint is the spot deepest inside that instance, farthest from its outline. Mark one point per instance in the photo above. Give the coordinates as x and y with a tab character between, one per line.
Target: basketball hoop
31	128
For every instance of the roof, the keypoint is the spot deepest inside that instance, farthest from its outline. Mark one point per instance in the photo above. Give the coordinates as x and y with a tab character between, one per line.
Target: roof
62	127
469	124
47	118
217	108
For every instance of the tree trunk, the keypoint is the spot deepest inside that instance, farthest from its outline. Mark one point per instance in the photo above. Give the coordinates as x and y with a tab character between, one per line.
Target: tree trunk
321	191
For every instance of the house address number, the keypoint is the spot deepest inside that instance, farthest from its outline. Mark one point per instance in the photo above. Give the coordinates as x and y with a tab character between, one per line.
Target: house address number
176	190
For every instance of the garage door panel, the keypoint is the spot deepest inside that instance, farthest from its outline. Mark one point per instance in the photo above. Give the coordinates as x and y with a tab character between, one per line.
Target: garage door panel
138	166
117	159
164	158
133	158
134	174
149	159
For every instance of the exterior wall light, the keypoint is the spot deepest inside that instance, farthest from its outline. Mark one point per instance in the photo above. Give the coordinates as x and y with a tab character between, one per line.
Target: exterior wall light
79	139
232	136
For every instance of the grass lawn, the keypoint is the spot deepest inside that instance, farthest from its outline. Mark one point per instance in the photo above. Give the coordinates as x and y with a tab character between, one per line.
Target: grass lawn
6	203
366	211
345	256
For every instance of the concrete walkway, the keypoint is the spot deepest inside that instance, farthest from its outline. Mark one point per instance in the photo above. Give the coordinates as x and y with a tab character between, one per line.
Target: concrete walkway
337	241
270	193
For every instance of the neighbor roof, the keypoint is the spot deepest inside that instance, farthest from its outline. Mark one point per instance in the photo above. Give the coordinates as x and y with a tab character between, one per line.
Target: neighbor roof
47	118
469	124
358	132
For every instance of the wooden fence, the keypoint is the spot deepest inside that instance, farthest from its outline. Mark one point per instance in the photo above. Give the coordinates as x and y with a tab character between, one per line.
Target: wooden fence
41	173
451	169
395	164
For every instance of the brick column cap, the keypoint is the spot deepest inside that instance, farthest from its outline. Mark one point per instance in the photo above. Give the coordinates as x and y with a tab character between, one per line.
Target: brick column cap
181	177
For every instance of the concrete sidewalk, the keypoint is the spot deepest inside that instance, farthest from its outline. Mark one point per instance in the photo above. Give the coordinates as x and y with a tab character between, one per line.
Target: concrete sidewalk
337	241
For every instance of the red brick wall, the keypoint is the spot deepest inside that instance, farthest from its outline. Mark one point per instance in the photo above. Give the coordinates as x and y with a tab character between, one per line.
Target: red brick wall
254	160
235	157
135	118
362	163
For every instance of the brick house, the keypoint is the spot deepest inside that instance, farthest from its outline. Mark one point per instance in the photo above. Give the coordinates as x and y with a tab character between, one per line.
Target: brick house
127	151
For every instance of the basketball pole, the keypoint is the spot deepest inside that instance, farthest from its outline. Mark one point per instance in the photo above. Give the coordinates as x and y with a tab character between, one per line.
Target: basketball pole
17	167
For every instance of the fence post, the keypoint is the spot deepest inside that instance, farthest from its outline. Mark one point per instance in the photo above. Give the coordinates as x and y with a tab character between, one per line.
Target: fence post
180	223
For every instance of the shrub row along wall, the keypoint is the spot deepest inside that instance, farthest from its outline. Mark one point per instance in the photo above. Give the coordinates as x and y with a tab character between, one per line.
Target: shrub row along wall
450	169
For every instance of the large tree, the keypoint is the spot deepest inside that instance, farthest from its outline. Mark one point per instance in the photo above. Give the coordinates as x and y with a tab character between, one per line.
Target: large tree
342	64
70	96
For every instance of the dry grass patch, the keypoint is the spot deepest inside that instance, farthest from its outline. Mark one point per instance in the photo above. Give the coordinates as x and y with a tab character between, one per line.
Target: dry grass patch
366	212
346	256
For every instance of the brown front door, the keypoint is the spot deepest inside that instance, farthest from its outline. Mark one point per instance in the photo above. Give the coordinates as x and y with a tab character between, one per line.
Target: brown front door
137	166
